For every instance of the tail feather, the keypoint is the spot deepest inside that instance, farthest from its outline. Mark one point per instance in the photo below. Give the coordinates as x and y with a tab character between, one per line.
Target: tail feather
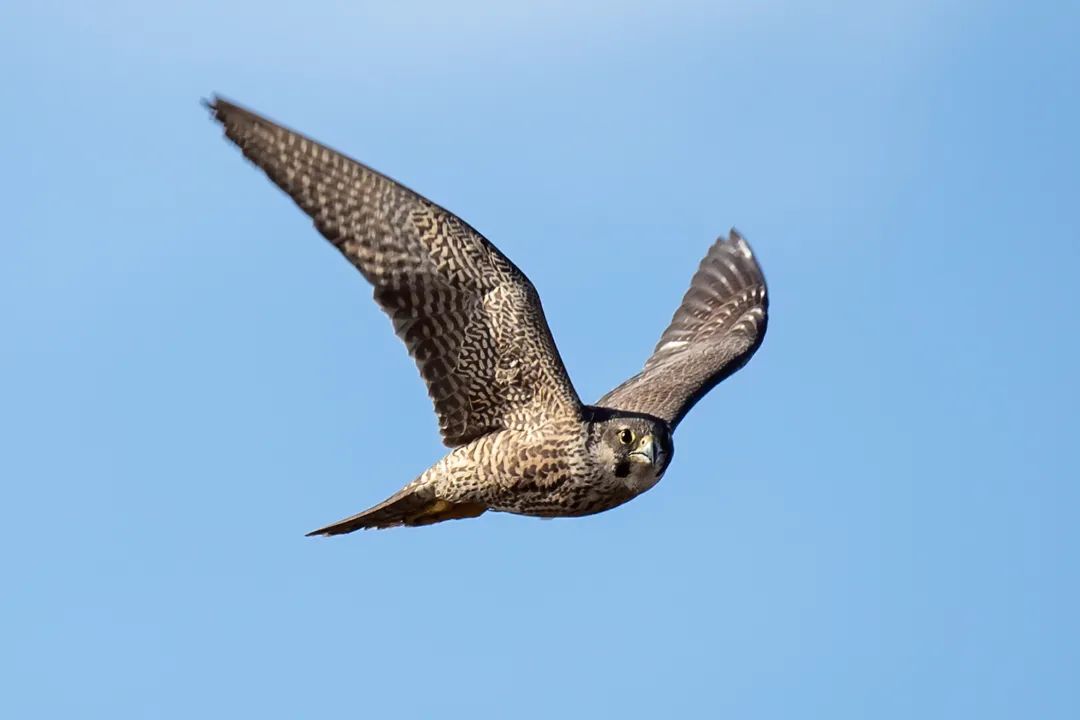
410	506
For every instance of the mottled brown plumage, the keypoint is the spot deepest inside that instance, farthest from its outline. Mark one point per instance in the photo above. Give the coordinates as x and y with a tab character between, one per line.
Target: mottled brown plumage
522	440
717	328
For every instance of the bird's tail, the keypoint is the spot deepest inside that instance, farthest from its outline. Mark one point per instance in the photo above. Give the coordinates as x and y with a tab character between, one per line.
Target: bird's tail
412	505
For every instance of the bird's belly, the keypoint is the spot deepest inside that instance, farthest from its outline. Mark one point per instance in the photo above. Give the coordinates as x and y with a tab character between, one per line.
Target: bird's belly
526	474
572	497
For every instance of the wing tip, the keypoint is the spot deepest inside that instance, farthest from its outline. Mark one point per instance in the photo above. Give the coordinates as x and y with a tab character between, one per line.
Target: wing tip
220	107
735	248
735	239
213	103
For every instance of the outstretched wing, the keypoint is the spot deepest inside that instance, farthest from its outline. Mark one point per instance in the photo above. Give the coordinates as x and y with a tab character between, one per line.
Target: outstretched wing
471	320
717	328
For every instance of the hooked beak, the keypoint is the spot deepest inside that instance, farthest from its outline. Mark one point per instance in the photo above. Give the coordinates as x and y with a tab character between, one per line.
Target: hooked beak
646	451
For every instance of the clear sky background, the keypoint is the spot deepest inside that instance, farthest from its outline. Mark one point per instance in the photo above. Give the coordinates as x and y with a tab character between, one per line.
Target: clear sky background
877	518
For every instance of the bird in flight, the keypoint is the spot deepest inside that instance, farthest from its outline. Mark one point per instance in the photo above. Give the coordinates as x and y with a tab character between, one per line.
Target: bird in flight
521	440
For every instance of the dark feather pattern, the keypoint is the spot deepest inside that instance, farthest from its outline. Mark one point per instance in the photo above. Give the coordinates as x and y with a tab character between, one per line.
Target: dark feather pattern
716	330
470	319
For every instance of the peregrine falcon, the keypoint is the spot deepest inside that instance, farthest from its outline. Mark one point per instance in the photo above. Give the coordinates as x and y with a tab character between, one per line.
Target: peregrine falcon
521	440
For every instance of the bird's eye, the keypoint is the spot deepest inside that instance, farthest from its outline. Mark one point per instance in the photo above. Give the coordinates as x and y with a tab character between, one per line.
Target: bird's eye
626	436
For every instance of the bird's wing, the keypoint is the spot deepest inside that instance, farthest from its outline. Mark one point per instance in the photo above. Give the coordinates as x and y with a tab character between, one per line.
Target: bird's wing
470	319
717	328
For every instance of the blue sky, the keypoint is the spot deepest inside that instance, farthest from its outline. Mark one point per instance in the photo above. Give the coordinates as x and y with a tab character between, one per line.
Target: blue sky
876	518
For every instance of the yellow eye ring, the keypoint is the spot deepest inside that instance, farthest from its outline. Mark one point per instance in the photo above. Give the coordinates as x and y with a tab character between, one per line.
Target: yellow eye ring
626	436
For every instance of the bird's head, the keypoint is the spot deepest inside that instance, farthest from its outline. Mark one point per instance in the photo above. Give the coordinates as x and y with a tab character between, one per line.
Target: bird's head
635	449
